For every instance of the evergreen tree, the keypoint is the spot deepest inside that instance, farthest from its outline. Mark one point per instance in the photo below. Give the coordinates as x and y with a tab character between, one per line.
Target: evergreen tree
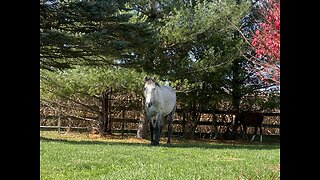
88	33
89	88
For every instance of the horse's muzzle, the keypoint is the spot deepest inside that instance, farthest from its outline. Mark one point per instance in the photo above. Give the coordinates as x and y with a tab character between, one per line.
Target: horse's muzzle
149	104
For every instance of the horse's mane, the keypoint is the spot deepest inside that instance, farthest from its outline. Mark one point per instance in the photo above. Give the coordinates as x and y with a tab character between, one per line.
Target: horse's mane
156	83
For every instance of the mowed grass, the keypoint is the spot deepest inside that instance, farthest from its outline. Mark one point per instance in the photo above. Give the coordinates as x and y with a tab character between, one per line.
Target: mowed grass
79	156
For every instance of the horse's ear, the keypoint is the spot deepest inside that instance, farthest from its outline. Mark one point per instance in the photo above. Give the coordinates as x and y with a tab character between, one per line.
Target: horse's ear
146	79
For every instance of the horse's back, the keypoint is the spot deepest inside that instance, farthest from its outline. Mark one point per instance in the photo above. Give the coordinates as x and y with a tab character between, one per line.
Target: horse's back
169	89
251	118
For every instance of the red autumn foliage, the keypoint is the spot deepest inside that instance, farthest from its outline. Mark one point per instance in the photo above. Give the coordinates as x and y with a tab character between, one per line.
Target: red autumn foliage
266	41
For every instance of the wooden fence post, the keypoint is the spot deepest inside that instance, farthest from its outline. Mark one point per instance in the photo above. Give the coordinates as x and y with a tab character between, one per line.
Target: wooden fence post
59	120
109	99
214	127
105	104
122	123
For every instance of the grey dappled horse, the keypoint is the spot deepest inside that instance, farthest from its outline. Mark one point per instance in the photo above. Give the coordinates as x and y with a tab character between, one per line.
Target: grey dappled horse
160	103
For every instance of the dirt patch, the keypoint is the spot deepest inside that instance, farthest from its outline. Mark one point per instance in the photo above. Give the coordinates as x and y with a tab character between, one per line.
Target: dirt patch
275	168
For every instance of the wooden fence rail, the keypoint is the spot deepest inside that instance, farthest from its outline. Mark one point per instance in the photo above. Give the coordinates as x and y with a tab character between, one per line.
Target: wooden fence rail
173	122
123	114
124	121
199	123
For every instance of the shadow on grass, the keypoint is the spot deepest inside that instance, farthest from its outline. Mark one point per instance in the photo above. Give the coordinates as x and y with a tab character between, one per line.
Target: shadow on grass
182	144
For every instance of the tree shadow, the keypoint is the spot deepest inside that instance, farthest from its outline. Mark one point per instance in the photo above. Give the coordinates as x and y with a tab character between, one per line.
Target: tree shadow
184	144
224	145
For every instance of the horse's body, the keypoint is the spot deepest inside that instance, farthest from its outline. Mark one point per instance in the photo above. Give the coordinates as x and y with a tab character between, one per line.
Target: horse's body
249	119
160	103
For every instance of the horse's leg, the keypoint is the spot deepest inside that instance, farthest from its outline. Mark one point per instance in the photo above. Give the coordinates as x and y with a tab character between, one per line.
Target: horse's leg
169	127
241	134
245	132
255	132
157	129
261	132
152	134
169	130
156	134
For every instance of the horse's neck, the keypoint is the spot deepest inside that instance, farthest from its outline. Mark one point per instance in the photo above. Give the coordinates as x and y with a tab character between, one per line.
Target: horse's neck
159	96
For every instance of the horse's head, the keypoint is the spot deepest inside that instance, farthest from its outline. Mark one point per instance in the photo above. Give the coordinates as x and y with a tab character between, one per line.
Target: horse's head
149	90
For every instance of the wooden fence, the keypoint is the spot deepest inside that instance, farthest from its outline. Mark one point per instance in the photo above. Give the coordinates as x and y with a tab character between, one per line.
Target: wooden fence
128	125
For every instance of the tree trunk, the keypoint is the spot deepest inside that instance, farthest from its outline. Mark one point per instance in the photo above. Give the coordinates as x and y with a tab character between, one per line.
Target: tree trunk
142	132
104	118
108	111
192	121
236	85
143	127
236	92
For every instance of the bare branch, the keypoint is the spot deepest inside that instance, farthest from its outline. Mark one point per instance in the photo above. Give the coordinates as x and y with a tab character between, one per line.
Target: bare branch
238	29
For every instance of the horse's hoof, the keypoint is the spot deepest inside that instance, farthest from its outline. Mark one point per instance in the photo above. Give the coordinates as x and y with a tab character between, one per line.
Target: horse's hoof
154	144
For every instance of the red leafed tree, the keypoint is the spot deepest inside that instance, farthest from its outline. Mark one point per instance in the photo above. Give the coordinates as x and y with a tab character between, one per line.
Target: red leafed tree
266	40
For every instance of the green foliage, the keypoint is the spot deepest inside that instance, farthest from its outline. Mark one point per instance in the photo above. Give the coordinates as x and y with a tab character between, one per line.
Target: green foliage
89	81
74	156
198	46
190	44
86	33
203	21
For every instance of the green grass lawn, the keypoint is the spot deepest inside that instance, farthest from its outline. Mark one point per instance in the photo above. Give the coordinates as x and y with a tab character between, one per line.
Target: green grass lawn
79	156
